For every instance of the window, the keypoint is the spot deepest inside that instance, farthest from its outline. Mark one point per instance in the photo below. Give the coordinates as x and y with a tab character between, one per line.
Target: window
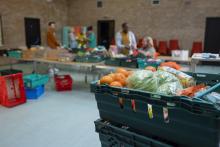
99	4
155	2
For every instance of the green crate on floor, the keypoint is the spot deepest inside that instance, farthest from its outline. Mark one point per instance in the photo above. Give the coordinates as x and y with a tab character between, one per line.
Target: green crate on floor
15	54
178	119
35	80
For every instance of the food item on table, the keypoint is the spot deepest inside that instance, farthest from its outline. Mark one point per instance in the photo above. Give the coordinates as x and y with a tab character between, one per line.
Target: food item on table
161	82
169	88
112	75
191	91
172	65
153	69
168	83
116	84
120	78
106	80
123	71
143	80
186	80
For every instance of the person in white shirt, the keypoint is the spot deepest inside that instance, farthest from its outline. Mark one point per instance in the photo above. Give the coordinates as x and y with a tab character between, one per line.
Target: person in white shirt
125	40
72	38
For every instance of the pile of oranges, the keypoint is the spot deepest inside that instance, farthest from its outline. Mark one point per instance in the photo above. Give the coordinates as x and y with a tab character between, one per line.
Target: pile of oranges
117	79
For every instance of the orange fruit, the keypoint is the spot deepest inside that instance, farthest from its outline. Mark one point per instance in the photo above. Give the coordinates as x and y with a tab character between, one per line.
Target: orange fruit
106	80
116	84
153	69
123	71
120	78
112	75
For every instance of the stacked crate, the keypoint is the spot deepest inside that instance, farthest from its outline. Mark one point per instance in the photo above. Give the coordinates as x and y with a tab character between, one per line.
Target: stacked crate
136	118
35	85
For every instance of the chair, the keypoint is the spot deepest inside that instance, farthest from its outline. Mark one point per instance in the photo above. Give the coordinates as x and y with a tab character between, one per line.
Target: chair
173	45
162	47
196	47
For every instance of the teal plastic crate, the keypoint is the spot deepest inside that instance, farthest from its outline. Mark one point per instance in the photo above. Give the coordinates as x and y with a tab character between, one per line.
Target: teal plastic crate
15	54
143	63
35	80
178	119
119	136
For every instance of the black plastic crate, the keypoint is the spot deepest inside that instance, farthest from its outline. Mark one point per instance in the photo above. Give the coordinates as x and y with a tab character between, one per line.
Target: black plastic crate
119	136
175	118
9	72
129	62
123	62
112	61
3	52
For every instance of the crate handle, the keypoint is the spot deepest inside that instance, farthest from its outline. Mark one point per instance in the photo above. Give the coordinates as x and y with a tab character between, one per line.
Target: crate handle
208	91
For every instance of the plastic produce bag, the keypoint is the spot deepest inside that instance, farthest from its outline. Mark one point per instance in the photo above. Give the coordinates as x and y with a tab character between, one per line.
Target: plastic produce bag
185	79
159	82
143	80
168	83
170	88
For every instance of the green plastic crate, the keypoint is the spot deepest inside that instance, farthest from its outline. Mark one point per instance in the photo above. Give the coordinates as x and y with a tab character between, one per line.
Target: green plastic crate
111	135
189	122
35	80
9	72
15	54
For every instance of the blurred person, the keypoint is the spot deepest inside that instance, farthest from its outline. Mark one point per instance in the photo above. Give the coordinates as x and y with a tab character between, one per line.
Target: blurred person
125	40
73	39
91	38
147	48
52	41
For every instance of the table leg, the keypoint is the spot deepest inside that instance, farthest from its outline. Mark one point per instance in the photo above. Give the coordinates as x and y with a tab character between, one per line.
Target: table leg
193	65
34	66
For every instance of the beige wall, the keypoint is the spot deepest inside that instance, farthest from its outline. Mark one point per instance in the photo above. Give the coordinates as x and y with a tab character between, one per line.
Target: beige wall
181	19
14	11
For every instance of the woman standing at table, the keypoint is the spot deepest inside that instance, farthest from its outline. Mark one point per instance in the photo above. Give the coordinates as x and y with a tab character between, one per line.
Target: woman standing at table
91	38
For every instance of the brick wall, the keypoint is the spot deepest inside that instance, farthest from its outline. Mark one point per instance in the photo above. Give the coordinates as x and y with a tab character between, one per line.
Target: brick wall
14	11
181	19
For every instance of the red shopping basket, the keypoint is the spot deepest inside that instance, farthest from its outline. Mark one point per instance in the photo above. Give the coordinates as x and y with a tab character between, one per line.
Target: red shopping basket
12	92
63	82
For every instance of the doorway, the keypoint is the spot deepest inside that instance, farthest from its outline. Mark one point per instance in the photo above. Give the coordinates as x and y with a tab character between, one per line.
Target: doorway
212	35
106	32
32	31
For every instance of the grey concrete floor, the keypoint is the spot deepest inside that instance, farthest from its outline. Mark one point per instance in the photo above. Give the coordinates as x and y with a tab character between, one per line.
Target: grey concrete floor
57	119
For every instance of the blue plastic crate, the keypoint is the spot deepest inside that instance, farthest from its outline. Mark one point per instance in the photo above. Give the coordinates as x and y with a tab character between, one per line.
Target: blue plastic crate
34	93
